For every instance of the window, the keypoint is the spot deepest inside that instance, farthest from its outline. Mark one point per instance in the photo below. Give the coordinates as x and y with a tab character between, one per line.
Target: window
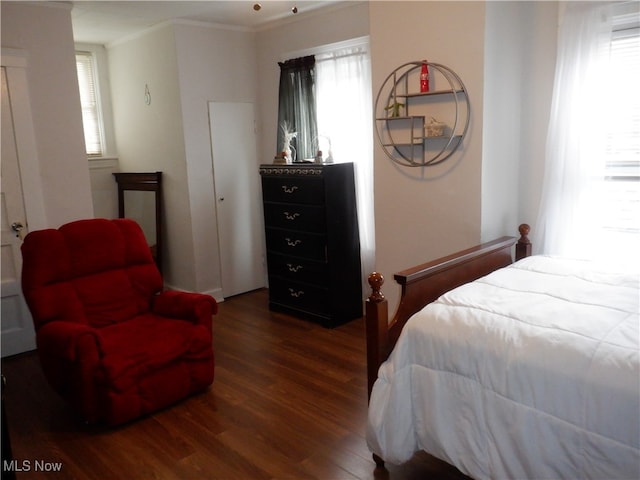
93	136
342	74
344	127
590	204
297	121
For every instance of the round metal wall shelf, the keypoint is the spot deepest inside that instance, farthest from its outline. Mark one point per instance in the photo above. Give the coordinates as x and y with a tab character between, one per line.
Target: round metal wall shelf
405	118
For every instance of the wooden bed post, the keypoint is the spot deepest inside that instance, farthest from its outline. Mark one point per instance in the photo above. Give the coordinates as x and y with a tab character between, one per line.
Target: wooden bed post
523	247
377	327
377	314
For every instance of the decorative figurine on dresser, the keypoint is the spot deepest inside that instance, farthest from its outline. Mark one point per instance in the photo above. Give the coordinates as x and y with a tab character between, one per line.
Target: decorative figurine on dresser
313	245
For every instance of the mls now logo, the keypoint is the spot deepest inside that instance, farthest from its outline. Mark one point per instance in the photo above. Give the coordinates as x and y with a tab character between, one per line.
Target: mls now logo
28	466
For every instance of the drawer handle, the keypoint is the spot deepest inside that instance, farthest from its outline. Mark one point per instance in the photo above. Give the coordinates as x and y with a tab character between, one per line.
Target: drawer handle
291	216
294	268
293	243
289	189
296	294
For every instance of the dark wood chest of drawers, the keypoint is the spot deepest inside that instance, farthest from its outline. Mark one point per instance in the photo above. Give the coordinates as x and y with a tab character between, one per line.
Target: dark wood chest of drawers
313	245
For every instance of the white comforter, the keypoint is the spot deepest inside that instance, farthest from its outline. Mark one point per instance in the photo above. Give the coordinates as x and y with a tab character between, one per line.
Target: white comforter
530	372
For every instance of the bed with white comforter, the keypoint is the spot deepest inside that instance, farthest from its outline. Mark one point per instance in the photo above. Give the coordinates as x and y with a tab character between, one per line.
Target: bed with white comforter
530	372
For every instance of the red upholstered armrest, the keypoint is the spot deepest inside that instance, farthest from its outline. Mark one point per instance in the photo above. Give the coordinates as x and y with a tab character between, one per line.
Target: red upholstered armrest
67	340
196	307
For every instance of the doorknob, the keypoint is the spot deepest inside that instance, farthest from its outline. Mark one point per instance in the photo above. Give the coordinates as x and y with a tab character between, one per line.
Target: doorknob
17	227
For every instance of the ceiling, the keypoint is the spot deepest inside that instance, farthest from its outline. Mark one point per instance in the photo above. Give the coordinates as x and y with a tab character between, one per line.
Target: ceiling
103	22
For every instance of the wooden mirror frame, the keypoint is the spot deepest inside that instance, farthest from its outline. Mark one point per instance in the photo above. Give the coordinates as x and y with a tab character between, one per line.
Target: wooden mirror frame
146	182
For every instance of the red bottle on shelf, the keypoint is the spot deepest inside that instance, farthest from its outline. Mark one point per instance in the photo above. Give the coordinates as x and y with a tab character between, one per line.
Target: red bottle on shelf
424	78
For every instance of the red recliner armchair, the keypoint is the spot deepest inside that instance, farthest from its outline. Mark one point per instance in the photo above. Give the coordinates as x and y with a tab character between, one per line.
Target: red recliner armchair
110	340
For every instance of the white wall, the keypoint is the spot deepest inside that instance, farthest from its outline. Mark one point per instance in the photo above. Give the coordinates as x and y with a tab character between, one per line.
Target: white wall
43	32
519	68
540	44
424	213
505	70
151	137
104	190
185	65
214	64
505	54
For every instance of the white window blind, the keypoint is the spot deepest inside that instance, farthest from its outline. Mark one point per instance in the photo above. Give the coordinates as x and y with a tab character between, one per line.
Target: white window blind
622	177
90	105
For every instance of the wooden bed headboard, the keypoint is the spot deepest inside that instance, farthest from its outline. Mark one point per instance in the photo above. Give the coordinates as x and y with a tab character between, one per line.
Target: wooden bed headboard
424	283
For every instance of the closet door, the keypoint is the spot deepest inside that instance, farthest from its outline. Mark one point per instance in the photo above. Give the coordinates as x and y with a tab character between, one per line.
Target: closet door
238	197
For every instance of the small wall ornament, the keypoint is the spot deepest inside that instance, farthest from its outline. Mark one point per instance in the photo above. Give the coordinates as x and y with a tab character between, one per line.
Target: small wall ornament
147	95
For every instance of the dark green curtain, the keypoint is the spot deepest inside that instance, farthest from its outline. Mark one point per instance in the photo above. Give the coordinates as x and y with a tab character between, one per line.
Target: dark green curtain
297	105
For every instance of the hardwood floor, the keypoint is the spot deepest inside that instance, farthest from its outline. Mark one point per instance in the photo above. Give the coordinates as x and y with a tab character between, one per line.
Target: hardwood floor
288	402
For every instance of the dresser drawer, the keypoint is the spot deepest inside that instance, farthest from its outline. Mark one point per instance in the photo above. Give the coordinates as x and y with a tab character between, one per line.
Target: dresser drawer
297	244
309	218
297	269
309	190
300	296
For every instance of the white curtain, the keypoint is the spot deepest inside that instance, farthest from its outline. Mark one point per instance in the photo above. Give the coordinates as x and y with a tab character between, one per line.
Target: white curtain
570	214
343	95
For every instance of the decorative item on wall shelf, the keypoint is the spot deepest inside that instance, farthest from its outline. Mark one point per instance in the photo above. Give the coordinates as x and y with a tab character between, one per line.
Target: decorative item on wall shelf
409	101
424	77
394	109
434	128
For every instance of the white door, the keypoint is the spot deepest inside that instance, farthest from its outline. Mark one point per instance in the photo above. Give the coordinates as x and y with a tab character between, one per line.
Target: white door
17	328
238	196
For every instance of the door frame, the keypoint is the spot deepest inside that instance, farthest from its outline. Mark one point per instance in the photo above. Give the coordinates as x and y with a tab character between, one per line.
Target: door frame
227	290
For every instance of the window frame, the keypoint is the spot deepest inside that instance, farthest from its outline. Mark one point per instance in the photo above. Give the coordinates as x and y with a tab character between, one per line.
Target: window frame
622	175
91	85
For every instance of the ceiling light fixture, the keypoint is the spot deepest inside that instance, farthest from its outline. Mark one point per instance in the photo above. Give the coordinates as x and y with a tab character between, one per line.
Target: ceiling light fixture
257	7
